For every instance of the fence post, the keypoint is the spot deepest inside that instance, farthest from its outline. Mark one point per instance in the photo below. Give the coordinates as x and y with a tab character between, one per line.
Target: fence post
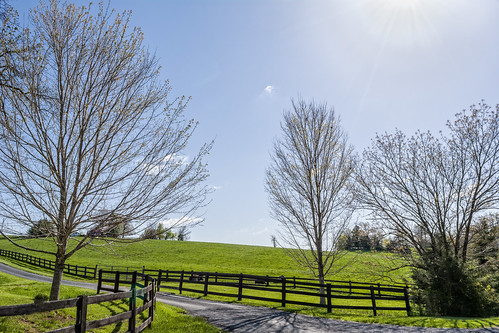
207	276
216	277
240	285
160	272
350	287
283	291
117	281
373	300
267	280
134	279
329	307
81	314
152	298
133	309
181	282
99	283
294	282
407	304
146	295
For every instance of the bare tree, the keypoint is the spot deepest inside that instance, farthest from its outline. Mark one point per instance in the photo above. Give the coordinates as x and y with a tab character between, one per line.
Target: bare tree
308	185
430	191
88	132
10	48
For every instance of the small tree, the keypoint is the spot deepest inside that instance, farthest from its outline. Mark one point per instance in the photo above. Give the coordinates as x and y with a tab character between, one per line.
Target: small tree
308	185
183	233
86	124
273	240
42	228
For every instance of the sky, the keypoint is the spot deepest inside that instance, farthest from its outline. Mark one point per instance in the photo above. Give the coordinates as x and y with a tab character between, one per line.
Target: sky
381	64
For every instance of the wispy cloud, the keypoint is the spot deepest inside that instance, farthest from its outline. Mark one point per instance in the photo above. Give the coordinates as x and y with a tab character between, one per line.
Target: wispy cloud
216	187
269	89
179	222
173	160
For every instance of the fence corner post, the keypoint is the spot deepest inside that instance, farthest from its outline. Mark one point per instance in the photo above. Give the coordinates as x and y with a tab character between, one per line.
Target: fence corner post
373	300
133	309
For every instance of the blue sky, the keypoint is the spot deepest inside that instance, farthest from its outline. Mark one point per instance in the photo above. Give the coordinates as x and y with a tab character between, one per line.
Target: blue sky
382	64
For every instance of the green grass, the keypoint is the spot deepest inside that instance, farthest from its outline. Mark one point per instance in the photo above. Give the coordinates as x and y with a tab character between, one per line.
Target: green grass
14	290
259	260
216	257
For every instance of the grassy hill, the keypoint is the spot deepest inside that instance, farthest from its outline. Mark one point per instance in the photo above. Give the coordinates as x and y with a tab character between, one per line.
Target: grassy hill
216	257
174	255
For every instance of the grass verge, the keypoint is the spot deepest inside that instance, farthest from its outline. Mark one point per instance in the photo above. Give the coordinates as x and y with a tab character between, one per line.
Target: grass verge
14	290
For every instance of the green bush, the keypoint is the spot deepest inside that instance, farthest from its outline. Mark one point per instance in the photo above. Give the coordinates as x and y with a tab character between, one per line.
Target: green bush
449	288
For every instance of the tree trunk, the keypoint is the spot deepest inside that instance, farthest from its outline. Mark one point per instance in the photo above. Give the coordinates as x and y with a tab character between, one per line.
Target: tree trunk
320	272
322	290
57	278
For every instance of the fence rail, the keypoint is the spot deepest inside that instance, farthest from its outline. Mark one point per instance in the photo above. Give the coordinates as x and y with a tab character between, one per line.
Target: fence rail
286	291
82	271
147	293
333	294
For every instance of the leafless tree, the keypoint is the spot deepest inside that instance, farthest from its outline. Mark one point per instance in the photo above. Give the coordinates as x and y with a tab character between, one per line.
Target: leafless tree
88	132
308	185
431	190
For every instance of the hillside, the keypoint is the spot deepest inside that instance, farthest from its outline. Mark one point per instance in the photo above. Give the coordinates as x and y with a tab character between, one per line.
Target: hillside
216	257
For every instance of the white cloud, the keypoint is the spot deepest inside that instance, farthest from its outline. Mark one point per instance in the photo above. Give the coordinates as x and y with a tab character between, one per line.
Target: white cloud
216	188
181	221
172	160
182	159
269	89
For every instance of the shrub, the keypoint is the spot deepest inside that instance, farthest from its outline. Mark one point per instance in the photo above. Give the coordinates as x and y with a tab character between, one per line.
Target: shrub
449	288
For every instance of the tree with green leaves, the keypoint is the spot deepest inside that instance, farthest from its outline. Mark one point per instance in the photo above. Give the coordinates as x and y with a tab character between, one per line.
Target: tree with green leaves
88	131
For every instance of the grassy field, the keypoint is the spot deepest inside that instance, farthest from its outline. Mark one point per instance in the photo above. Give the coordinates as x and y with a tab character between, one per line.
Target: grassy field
213	257
14	290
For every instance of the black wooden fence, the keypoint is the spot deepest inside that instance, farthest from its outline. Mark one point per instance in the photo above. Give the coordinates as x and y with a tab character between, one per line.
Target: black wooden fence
287	291
147	293
283	290
83	271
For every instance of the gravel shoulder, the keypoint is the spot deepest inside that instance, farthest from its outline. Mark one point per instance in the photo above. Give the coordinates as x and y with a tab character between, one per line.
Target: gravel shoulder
244	318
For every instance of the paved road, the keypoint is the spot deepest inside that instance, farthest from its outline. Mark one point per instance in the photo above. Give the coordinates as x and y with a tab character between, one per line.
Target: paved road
243	318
